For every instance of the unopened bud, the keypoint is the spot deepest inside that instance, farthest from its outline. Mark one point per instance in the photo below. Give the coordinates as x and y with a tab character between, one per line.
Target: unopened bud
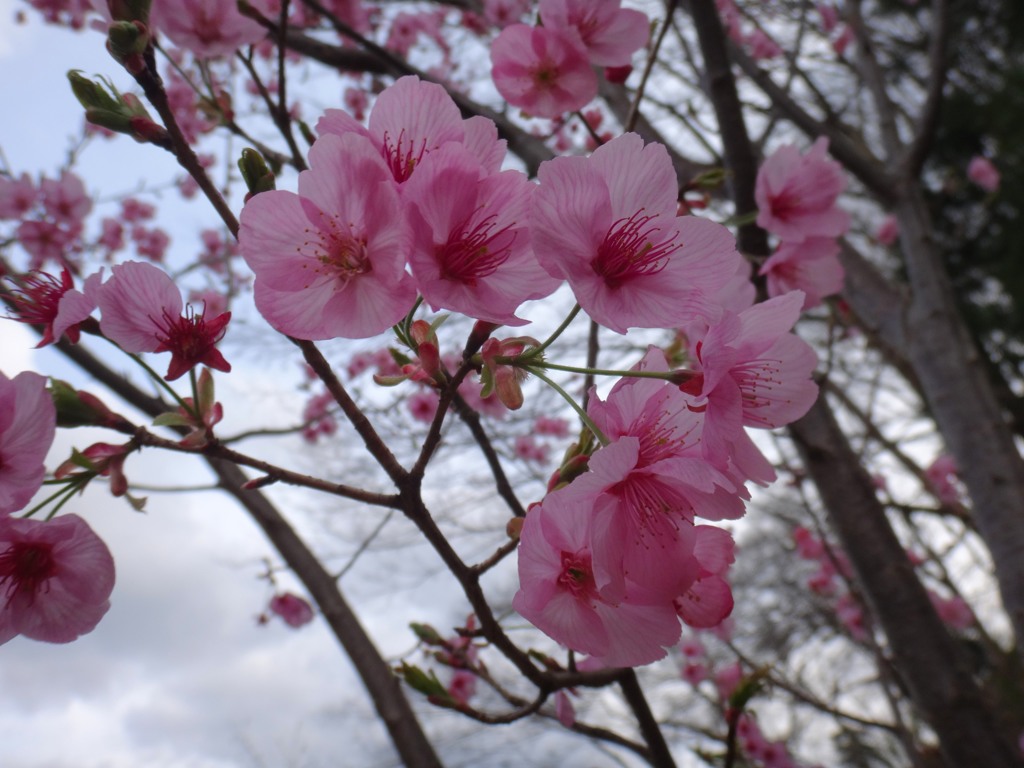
81	409
127	42
618	75
257	176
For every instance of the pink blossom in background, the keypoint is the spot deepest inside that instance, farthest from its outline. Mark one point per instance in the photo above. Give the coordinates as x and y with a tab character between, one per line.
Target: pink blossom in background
607	224
56	577
829	16
727	679
48	242
27	428
843	39
528	449
546	425
796	194
543	71
17	196
356	102
462	687
942	475
422	405
559	592
471	251
888	230
330	260
208	28
610	34
295	611
502	13
954	611
983	173
42	299
761	46
65	199
811	266
142	311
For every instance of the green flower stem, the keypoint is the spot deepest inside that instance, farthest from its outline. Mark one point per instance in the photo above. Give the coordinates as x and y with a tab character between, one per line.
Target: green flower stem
575	406
73	484
531	364
160	381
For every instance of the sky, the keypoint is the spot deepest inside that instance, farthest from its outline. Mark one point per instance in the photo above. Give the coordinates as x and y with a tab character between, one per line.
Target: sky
179	674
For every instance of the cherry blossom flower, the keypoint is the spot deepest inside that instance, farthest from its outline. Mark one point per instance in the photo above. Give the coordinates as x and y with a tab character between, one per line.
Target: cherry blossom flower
471	249
208	28
708	601
607	224
543	71
412	118
330	260
753	373
17	196
294	610
40	298
943	478
55	578
502	13
796	194
983	173
27	427
610	34
888	230
65	199
559	592
810	265
142	312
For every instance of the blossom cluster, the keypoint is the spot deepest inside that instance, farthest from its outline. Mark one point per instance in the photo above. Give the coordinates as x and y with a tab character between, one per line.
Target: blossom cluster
796	198
547	70
611	562
56	576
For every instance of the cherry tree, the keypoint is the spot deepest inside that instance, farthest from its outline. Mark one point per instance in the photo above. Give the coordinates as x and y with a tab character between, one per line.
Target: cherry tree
720	233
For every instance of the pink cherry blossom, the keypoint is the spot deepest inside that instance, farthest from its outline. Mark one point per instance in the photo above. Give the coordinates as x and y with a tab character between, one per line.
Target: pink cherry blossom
42	299
954	611
983	173
294	610
472	249
943	478
888	230
65	199
810	265
708	601
17	196
142	311
501	13
27	428
208	28
609	33
559	592
543	71
607	224
754	373
330	260
411	119
55	578
796	194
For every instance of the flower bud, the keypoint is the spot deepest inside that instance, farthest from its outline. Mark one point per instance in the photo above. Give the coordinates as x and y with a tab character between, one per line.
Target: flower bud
257	176
127	42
